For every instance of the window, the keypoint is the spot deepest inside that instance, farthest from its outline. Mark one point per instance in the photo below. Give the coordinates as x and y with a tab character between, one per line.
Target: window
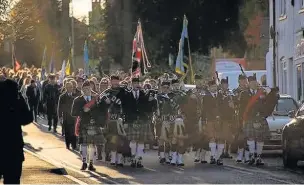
285	105
299	82
283	7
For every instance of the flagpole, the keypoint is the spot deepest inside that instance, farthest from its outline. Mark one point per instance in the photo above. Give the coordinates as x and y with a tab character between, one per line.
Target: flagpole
190	58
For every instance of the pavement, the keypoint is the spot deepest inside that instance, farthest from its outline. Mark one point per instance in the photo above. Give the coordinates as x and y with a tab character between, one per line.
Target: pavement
51	147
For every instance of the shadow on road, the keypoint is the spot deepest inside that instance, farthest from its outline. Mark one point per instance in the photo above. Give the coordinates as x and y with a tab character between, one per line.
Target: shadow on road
30	147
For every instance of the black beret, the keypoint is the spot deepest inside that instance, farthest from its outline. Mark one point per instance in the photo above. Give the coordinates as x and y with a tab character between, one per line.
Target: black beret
165	83
114	77
175	81
211	82
242	77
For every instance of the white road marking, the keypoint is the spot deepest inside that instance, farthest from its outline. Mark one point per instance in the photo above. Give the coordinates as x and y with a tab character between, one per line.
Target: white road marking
75	180
279	180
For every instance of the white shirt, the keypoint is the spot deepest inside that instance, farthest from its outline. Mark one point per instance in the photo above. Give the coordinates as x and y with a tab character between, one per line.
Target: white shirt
87	98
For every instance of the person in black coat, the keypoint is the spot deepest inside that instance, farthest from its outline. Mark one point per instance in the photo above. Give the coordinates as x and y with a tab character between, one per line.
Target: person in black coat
14	114
64	113
33	96
51	96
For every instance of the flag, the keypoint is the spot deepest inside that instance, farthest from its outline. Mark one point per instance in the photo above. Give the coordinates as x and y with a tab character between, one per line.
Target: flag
181	66
51	66
62	72
140	62
43	64
86	58
16	64
68	68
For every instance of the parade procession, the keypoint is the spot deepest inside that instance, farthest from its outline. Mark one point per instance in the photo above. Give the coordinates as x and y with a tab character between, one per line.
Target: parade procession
122	113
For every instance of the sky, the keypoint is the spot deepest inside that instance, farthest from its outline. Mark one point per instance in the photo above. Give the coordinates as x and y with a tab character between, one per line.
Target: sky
81	8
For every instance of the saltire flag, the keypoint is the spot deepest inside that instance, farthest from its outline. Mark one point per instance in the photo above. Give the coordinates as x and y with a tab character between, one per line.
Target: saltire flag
15	62
182	66
62	72
43	64
140	62
86	59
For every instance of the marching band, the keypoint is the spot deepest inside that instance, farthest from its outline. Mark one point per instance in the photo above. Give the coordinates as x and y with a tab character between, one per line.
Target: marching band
131	112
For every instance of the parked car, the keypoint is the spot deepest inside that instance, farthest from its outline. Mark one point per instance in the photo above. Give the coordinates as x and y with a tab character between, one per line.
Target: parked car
293	139
276	122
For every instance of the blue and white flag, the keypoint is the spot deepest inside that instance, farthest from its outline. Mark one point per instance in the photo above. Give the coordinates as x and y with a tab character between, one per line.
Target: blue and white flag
86	59
62	72
181	66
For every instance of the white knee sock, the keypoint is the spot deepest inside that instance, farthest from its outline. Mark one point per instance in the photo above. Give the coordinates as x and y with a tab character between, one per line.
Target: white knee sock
197	154
113	157
133	148
220	150
212	147
180	159
140	151
251	146
259	147
119	158
174	158
240	154
162	155
203	155
84	153
92	153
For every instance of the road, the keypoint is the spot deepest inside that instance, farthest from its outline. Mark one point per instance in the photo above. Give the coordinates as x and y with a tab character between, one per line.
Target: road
51	147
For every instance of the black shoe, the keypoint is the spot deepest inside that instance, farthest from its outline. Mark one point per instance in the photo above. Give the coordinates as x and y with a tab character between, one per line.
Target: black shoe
212	161
91	167
55	131
139	165
238	161
133	164
181	164
50	128
162	160
84	166
168	163
219	162
252	161
113	164
259	162
196	160
204	162
173	164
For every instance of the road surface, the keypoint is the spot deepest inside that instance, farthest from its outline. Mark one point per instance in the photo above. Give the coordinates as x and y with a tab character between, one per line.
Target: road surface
51	146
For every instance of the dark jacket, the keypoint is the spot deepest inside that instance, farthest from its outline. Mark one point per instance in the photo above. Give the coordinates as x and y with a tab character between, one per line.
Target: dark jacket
14	113
32	97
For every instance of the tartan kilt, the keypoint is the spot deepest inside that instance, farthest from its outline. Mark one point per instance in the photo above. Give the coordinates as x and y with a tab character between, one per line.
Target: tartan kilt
86	139
139	131
258	132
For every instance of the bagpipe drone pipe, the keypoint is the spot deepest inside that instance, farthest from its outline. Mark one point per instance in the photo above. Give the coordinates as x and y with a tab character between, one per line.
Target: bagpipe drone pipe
271	100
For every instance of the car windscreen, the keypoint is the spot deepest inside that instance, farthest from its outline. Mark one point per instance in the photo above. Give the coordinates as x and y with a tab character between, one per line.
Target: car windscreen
285	105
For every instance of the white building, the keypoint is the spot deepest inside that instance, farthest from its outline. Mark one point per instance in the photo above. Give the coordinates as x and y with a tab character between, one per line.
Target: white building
290	46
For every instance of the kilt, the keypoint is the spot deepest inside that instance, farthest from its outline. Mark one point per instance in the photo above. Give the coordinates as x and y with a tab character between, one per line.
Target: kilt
212	129
139	131
257	129
224	131
95	139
